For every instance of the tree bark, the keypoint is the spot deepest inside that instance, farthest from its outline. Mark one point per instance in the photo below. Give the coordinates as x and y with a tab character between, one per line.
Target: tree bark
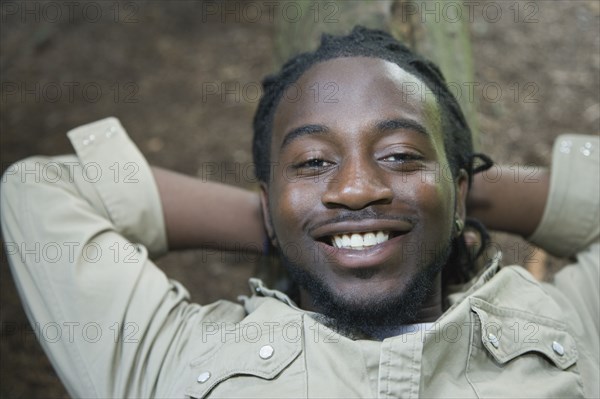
436	32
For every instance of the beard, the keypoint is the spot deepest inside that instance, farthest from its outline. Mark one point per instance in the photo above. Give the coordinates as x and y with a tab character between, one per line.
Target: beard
376	316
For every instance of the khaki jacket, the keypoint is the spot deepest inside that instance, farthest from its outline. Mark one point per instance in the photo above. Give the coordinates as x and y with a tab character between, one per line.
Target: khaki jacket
80	233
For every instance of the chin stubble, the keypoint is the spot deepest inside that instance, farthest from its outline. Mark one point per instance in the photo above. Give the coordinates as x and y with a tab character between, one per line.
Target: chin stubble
373	316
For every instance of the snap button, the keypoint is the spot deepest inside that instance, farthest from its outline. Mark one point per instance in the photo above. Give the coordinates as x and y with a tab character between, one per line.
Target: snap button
565	146
266	352
86	141
110	132
91	137
586	151
493	340
202	378
558	348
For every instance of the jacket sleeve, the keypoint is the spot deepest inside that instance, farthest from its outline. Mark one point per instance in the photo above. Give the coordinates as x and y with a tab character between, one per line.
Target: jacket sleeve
570	228
569	224
79	231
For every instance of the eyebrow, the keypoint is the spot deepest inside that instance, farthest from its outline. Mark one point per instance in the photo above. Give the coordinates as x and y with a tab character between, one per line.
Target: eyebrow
304	130
385	126
401	124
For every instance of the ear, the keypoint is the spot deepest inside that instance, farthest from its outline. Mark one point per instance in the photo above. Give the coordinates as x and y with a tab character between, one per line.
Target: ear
461	189
264	202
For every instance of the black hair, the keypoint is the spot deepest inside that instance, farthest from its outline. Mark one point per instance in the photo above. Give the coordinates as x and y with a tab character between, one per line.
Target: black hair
364	42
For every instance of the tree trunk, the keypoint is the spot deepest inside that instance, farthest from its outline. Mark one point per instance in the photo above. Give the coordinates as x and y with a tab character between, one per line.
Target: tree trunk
437	32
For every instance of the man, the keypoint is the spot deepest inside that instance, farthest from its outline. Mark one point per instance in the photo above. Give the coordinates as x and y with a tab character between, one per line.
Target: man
364	195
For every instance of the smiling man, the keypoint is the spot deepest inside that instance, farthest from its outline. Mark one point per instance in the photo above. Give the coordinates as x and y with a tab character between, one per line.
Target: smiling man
356	193
364	195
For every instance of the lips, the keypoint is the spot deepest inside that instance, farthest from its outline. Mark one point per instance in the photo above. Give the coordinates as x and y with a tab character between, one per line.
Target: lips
389	234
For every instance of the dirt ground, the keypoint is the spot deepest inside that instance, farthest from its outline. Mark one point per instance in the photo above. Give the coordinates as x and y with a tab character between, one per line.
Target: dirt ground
537	67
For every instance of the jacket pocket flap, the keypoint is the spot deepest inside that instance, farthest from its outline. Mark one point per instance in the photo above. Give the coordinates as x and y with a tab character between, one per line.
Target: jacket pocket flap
247	349
509	333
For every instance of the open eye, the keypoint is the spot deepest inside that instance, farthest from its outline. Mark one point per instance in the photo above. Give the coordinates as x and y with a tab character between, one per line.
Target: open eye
403	162
402	157
312	167
313	163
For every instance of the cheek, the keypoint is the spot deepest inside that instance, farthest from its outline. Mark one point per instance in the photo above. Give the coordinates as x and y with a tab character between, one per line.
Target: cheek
291	204
432	198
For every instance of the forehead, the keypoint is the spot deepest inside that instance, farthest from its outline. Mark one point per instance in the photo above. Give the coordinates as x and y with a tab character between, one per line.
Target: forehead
353	93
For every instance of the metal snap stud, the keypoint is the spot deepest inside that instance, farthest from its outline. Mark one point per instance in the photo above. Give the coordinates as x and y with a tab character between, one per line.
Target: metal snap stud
203	377
558	348
565	146
493	340
266	352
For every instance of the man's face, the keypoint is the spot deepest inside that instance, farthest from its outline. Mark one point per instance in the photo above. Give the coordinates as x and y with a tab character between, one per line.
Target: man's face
361	198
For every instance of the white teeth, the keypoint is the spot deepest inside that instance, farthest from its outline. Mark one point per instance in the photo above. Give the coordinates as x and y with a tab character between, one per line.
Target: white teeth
369	239
356	240
345	241
338	241
359	241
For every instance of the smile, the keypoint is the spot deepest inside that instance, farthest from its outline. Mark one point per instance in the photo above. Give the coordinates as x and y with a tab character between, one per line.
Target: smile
359	241
365	237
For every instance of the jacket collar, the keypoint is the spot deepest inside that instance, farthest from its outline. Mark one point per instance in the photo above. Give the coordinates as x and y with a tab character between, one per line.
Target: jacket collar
458	293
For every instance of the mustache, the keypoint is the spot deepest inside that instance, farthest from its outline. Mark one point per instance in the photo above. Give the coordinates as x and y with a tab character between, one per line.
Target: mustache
363	214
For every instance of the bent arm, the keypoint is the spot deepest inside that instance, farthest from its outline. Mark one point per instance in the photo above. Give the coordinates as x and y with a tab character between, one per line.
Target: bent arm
208	214
78	239
510	198
556	210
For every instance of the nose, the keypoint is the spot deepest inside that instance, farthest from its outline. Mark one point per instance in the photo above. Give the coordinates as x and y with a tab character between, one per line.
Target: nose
357	184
